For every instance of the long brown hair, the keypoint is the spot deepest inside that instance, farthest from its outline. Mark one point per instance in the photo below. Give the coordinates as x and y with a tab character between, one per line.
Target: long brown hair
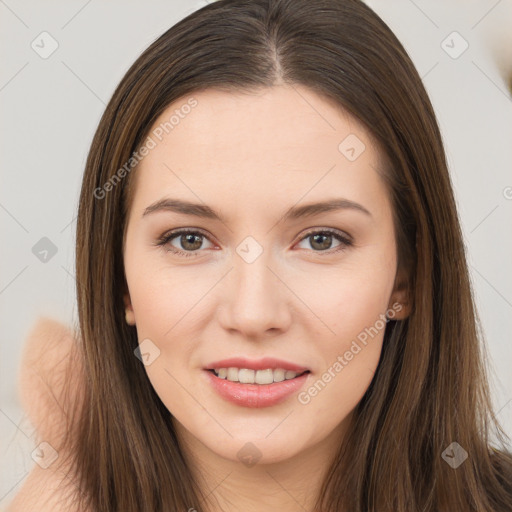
430	388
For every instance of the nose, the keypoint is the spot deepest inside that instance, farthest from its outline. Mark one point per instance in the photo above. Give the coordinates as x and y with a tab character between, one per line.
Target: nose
256	301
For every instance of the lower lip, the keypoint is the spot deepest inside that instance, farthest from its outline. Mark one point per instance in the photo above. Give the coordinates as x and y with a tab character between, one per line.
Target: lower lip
256	395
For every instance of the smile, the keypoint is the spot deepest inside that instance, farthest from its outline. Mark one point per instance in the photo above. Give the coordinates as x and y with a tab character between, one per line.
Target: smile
249	376
251	394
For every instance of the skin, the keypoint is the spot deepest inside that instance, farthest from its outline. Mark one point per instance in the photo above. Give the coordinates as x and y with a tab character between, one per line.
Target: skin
50	383
250	157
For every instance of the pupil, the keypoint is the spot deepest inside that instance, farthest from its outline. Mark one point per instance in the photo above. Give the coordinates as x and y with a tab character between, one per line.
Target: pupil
190	238
325	237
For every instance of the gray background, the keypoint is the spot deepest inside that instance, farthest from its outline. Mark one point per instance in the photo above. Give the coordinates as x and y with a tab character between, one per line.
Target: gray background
51	107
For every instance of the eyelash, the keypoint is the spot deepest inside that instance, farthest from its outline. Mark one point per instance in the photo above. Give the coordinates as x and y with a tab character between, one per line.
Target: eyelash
167	237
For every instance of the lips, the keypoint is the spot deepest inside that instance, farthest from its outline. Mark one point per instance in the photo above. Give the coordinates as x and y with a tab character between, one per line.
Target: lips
256	364
255	395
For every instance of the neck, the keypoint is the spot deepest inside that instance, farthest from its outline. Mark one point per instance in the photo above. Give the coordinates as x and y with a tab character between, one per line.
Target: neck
285	485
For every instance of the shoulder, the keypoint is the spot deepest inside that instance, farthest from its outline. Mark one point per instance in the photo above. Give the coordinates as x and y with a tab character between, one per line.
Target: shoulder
49	376
49	384
45	490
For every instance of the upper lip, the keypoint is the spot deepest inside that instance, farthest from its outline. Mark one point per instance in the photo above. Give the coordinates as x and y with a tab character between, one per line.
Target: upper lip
256	364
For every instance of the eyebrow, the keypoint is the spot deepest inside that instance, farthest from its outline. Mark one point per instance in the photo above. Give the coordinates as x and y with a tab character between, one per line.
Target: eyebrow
293	213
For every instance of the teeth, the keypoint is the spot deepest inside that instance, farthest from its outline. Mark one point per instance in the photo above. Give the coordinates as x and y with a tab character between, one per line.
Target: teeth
232	374
279	375
247	376
264	377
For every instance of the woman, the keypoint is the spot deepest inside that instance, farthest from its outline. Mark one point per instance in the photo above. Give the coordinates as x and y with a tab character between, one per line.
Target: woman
274	303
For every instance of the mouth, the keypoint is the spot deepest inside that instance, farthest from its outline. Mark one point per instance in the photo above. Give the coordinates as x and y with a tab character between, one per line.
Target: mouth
254	388
260	377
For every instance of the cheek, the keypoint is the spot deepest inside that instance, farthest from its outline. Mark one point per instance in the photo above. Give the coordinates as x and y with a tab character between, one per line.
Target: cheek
352	305
349	358
161	316
160	296
347	301
167	312
332	395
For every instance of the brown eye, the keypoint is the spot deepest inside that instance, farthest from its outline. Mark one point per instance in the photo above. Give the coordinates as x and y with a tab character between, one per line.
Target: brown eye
191	242
322	240
183	242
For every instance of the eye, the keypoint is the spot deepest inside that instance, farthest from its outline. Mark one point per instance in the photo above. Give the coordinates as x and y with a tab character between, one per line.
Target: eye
321	240
189	240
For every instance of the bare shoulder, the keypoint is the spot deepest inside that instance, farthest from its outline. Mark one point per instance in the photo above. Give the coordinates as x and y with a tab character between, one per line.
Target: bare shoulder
49	377
50	382
45	490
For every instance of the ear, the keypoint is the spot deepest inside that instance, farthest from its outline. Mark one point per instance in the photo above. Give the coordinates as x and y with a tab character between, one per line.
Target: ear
129	314
399	307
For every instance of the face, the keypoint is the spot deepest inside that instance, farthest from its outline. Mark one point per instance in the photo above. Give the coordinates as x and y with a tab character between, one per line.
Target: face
256	275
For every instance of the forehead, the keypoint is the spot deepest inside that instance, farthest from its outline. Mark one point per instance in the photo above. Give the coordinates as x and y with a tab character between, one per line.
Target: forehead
279	142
